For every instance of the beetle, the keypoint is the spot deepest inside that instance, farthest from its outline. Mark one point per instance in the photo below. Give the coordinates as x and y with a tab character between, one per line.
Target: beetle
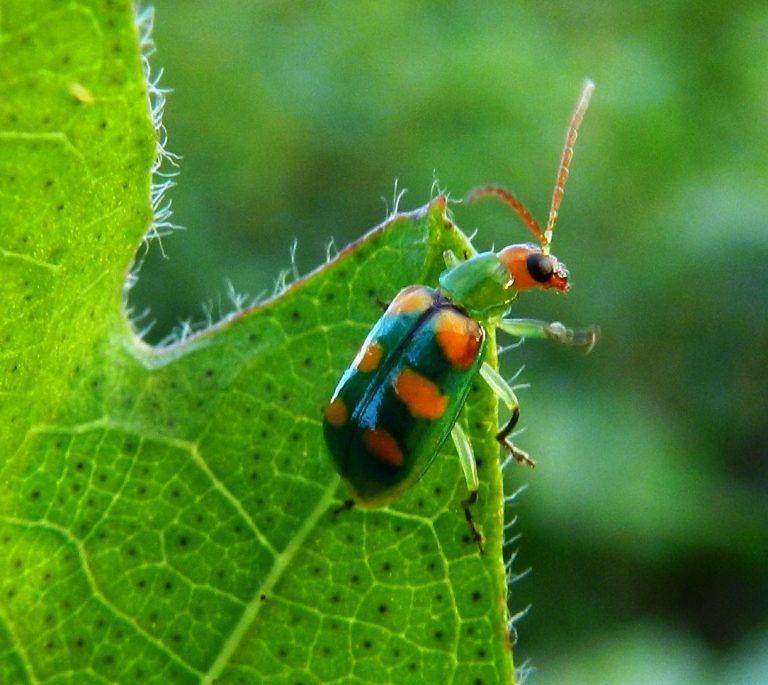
396	404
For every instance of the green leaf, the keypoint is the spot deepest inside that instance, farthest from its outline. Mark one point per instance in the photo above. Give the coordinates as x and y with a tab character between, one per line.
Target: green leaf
167	515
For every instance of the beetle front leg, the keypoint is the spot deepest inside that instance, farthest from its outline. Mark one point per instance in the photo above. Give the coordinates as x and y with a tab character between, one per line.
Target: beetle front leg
584	338
505	393
450	258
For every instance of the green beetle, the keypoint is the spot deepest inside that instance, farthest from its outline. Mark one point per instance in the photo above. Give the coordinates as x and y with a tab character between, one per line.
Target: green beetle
398	401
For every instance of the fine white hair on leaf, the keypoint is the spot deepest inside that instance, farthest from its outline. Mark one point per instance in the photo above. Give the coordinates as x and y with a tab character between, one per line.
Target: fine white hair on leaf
163	170
162	176
436	190
331	251
238	300
523	671
294	267
397	195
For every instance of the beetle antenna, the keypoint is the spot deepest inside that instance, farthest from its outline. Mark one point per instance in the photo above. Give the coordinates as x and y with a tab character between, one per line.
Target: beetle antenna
565	161
504	195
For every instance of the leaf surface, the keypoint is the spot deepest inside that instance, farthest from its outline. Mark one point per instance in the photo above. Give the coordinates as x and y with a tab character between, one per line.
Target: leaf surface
167	515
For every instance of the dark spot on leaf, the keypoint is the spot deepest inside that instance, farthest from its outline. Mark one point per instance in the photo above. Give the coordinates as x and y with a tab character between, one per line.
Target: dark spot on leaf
476	596
386	567
438	635
367	644
382	608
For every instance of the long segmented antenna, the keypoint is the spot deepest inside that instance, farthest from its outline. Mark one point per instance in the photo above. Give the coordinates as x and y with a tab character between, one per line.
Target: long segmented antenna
565	160
512	201
544	237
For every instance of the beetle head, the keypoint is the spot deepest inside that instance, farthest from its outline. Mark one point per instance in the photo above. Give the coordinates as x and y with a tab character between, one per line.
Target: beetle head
530	267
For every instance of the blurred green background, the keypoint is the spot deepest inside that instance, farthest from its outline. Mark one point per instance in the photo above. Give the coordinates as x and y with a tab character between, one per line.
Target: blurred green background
646	522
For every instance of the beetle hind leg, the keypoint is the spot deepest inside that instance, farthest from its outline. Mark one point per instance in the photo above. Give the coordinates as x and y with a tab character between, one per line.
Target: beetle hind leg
505	393
469	466
345	506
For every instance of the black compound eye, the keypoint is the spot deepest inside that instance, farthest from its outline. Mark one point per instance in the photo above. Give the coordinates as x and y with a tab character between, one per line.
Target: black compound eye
540	267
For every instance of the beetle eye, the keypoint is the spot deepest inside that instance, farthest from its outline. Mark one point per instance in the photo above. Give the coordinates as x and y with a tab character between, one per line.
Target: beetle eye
540	267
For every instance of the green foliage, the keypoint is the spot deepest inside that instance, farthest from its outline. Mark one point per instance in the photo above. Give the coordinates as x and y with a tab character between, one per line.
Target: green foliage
167	515
646	515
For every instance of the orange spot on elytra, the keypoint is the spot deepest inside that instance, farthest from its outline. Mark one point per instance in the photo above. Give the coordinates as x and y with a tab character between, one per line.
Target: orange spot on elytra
383	446
411	300
458	336
336	412
420	395
368	358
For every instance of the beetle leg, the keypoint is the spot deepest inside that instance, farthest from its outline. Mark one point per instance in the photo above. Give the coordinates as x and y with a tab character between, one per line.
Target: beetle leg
469	466
346	506
450	258
466	458
505	393
530	328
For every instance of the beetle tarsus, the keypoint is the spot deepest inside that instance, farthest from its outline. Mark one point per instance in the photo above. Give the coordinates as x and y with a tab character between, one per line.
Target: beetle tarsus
474	531
346	506
503	438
